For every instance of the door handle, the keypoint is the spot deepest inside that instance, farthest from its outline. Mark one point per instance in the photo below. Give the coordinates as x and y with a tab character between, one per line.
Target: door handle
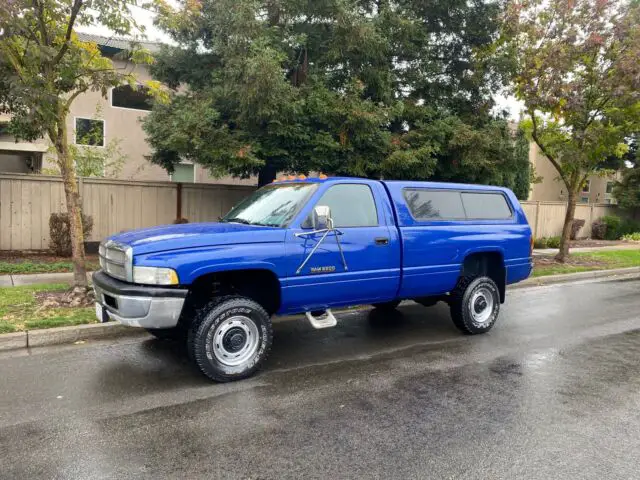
382	241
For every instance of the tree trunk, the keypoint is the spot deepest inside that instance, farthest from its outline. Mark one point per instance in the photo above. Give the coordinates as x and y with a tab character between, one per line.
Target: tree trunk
74	209
266	175
566	229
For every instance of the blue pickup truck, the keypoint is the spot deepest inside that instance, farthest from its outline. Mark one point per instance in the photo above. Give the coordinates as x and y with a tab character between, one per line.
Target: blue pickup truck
305	246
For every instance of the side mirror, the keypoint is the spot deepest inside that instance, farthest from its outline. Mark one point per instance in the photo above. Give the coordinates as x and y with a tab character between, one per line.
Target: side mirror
322	217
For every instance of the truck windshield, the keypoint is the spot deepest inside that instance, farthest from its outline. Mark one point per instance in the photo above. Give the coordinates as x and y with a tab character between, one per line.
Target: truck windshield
273	205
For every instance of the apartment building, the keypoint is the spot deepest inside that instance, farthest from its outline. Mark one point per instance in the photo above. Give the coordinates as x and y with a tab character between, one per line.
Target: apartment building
114	119
596	189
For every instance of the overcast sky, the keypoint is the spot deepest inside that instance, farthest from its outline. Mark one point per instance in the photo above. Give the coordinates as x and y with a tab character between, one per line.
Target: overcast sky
153	34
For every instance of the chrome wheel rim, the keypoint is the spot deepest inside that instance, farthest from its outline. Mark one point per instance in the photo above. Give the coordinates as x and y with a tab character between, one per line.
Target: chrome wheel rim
481	305
235	341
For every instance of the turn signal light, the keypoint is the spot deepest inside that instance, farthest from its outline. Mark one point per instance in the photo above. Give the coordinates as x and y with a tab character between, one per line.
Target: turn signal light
322	176
531	246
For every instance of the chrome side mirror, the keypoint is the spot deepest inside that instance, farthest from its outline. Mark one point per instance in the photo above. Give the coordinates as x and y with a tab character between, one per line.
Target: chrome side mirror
322	217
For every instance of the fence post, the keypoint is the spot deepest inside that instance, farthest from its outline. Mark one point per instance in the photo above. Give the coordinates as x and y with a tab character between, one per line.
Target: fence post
178	201
537	226
81	189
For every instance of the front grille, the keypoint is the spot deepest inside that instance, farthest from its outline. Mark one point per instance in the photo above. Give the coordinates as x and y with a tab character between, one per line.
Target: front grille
115	260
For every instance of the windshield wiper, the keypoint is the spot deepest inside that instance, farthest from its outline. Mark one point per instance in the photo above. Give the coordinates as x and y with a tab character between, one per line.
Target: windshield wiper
237	220
266	224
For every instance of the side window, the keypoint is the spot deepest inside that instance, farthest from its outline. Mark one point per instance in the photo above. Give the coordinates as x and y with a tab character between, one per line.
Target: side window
351	205
486	206
125	96
434	204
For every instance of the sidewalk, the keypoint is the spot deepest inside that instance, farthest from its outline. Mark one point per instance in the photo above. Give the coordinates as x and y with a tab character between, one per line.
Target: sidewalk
37	278
553	251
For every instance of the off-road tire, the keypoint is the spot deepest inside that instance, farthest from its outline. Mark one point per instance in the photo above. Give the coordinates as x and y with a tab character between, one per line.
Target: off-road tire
200	339
386	306
460	304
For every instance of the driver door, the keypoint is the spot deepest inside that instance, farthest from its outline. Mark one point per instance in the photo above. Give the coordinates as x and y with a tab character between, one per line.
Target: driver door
370	271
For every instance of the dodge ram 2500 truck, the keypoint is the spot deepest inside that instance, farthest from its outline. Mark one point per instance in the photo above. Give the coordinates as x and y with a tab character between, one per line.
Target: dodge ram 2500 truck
305	246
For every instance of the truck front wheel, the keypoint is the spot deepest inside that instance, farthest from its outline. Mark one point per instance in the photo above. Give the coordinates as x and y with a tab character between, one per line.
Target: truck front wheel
230	338
475	304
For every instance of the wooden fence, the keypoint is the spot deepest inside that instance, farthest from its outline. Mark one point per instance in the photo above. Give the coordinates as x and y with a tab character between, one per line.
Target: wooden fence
27	201
547	218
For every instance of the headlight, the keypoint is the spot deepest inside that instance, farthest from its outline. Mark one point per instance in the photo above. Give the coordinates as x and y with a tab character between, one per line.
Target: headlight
155	276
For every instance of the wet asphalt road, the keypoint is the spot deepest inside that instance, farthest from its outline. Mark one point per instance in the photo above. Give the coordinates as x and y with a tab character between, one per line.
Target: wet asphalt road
553	391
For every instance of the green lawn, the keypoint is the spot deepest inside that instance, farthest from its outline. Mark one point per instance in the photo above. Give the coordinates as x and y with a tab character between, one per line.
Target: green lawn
19	310
29	266
584	262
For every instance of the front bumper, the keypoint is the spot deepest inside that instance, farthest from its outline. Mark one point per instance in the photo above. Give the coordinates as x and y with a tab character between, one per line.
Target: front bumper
138	306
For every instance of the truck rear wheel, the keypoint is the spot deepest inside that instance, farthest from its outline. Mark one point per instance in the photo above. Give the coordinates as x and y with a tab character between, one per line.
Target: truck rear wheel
230	338
475	305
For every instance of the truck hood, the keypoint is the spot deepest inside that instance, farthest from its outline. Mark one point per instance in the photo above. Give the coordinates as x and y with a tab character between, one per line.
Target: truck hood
193	235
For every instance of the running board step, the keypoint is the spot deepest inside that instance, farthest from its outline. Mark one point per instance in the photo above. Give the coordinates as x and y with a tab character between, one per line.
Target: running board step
327	320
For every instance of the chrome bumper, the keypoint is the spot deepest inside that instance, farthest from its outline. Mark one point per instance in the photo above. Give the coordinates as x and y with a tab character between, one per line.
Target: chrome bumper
137	306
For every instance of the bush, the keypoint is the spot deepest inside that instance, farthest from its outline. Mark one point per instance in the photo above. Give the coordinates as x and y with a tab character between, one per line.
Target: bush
577	224
553	242
598	229
613	227
60	242
632	237
540	243
629	226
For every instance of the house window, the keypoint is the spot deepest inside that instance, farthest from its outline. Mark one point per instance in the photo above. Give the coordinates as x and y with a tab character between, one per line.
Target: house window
584	199
586	188
184	173
89	132
135	98
610	187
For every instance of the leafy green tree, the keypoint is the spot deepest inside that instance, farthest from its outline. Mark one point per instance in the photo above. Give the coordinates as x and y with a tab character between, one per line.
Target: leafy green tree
43	69
371	88
627	191
577	74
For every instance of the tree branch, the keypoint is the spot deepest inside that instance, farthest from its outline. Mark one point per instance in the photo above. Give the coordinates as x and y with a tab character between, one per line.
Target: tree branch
554	162
43	27
73	96
77	5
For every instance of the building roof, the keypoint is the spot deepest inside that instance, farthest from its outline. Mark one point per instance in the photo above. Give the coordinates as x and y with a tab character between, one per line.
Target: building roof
117	44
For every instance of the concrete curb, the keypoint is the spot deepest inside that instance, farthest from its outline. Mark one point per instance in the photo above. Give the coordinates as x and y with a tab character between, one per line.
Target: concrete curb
13	341
61	335
101	331
574	277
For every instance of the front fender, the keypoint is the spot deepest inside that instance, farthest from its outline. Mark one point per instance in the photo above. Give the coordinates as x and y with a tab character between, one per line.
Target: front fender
193	263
